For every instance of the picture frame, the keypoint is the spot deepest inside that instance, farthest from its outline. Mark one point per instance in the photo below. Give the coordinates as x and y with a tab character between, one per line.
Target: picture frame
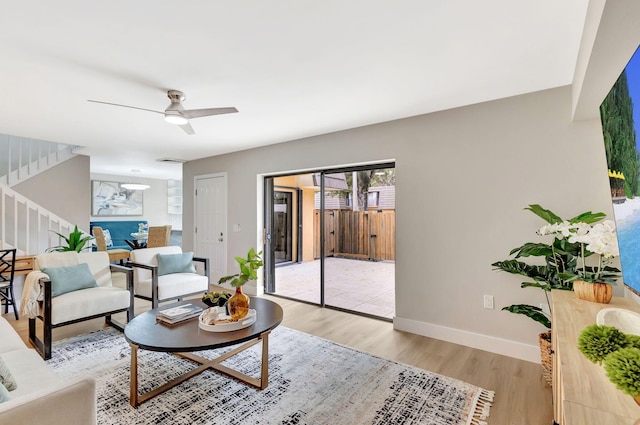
109	198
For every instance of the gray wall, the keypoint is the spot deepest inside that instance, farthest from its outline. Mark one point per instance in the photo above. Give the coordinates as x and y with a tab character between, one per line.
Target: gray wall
69	196
463	179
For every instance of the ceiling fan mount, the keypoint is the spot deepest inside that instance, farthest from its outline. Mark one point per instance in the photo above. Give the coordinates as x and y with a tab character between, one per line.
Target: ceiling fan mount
176	96
175	112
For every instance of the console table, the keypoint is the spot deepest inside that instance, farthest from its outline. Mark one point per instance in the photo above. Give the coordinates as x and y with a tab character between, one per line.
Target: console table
582	393
23	264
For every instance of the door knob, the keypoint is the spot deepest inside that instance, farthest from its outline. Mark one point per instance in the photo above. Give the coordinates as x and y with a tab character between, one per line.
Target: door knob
220	238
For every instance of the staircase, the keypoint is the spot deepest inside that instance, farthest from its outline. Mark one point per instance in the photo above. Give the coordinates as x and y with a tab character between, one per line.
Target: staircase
22	158
24	224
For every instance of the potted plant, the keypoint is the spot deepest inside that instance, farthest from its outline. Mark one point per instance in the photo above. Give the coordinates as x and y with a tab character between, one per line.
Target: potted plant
558	271
592	283
560	256
238	304
76	241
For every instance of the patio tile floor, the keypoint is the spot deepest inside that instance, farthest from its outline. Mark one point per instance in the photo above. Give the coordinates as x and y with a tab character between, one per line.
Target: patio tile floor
363	286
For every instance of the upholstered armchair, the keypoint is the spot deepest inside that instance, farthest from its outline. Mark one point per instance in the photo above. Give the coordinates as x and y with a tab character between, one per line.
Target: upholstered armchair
71	287
166	273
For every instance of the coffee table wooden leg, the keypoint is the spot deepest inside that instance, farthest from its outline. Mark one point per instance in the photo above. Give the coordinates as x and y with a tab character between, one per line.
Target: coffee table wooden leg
264	369
133	393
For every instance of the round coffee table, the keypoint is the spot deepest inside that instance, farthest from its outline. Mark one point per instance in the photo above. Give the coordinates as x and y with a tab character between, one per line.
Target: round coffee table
184	338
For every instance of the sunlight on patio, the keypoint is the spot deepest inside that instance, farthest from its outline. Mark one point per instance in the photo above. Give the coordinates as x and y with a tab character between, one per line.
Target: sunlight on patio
362	286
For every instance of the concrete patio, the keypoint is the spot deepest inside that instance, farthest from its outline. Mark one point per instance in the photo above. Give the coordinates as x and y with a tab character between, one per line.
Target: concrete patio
362	286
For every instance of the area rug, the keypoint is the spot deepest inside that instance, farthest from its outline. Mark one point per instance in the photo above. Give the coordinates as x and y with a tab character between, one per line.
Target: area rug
311	381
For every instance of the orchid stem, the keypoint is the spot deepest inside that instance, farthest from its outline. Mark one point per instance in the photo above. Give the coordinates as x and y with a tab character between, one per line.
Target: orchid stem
584	262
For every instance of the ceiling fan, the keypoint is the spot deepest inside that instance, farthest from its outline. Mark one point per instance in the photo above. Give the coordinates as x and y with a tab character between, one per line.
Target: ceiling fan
175	112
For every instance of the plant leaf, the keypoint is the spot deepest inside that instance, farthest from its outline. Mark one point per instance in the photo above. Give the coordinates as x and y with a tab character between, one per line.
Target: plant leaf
546	215
532	249
521	268
533	312
588	217
546	287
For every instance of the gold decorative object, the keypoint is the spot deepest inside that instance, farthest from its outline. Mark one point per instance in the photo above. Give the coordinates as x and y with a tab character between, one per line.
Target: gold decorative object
238	304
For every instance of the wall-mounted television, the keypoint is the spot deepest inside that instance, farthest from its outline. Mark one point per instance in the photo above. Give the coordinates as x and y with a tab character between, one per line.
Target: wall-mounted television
620	126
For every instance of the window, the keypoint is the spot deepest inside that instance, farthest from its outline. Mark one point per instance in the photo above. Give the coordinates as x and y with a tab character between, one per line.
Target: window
372	199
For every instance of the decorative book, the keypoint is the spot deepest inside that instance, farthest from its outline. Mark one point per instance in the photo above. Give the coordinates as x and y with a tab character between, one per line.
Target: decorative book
178	314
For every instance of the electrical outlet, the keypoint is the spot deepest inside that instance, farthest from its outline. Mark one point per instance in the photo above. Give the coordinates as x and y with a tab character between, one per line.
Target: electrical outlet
488	302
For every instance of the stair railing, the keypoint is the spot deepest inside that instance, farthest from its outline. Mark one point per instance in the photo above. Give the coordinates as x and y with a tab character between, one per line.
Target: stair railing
27	226
22	158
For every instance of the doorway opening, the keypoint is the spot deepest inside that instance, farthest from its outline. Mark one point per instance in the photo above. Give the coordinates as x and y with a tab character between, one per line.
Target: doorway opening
330	238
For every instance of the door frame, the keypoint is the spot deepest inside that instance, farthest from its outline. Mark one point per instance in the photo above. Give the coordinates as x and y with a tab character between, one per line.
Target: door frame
226	215
267	217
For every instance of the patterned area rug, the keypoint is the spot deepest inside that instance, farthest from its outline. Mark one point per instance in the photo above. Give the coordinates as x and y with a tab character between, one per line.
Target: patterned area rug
311	381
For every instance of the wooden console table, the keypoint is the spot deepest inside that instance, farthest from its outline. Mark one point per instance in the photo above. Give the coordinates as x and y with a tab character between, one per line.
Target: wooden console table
582	393
24	264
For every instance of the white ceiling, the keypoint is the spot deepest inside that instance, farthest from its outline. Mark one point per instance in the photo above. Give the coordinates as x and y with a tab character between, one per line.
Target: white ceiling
293	68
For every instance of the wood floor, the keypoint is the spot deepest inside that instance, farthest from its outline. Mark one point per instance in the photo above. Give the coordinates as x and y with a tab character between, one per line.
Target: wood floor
521	395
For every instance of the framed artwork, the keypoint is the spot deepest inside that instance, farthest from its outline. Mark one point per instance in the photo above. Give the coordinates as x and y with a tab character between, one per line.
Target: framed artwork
111	199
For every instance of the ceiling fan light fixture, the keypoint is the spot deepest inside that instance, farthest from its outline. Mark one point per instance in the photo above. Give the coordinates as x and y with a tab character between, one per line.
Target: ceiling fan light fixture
135	186
175	118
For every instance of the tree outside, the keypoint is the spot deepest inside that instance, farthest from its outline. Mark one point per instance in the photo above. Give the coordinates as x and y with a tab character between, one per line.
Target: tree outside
619	134
366	179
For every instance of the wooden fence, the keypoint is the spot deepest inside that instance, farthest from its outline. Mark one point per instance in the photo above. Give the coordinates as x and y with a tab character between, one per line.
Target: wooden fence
367	235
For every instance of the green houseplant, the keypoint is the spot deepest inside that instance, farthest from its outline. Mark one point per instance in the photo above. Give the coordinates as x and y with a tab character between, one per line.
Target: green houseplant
248	269
238	304
76	241
564	257
556	267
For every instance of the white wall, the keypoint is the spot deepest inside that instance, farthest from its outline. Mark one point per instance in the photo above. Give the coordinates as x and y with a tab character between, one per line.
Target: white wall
463	179
155	201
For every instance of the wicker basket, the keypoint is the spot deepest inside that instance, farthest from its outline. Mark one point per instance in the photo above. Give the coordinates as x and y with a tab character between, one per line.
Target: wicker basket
546	355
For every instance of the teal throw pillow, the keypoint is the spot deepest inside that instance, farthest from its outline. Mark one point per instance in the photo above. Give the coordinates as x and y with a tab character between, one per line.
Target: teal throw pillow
6	378
175	263
4	394
69	279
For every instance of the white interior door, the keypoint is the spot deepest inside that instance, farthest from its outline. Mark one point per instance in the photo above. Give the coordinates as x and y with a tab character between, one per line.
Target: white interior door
211	223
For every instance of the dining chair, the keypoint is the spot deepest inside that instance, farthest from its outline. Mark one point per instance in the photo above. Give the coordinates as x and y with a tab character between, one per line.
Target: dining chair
117	254
158	236
7	272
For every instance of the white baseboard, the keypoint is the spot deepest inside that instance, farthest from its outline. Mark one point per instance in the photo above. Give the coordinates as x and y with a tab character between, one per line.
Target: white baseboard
505	347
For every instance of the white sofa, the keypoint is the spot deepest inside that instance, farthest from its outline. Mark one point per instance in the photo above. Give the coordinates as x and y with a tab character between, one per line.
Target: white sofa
41	397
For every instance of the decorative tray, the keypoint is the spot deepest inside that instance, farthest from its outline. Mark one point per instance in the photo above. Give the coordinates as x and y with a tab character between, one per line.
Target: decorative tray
245	322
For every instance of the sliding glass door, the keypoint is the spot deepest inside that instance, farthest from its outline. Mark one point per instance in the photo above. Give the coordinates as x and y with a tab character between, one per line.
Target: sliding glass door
330	238
359	232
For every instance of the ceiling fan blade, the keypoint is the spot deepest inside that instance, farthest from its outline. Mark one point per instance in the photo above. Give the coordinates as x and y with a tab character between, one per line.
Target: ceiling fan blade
187	129
124	106
197	113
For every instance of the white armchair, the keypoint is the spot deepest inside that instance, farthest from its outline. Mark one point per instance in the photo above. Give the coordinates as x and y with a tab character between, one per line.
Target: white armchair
43	299
173	278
